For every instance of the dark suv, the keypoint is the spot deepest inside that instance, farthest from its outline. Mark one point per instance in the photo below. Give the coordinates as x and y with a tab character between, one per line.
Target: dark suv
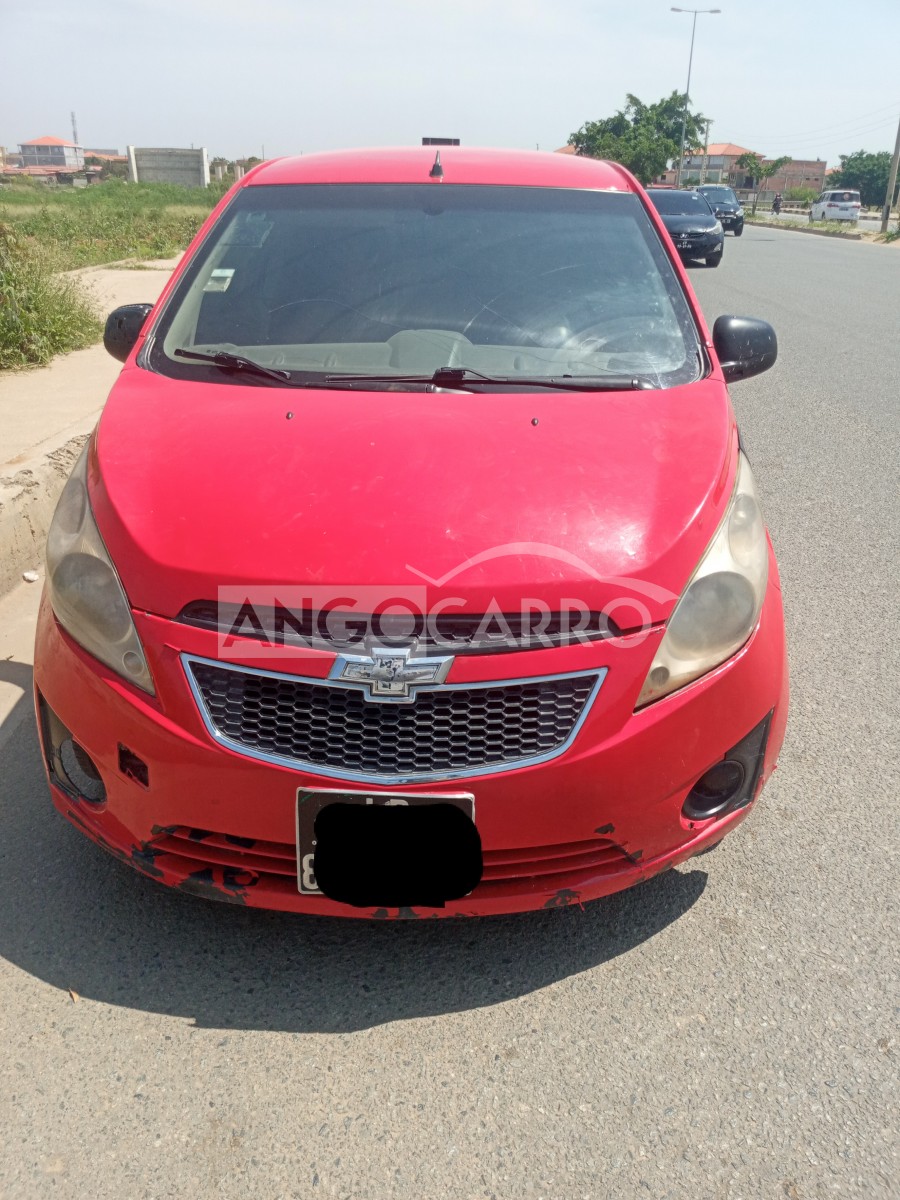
725	205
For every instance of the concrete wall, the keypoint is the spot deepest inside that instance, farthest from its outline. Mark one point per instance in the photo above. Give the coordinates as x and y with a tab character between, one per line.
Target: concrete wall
190	168
801	173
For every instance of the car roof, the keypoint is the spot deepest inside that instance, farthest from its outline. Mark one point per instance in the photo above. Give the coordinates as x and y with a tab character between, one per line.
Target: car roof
687	191
471	165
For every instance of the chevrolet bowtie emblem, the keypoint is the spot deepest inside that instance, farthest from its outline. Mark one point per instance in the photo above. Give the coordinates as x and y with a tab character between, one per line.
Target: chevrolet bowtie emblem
389	674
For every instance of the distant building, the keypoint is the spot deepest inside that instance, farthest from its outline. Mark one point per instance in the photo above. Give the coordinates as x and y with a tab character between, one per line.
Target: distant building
52	152
719	165
806	173
715	165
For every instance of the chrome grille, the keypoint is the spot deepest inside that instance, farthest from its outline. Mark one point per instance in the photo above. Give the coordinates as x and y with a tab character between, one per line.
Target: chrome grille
449	730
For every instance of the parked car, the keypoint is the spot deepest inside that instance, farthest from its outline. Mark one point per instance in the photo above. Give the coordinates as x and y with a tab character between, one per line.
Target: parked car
693	226
725	205
415	566
836	205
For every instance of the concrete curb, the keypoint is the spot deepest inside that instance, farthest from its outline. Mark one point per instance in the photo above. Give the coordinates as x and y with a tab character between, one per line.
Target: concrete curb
794	228
28	498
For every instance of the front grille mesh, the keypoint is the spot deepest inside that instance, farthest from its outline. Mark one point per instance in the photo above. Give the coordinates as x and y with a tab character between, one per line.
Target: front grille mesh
442	731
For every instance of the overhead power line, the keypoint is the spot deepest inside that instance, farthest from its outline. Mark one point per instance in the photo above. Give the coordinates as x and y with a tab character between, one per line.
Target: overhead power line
827	129
818	138
816	142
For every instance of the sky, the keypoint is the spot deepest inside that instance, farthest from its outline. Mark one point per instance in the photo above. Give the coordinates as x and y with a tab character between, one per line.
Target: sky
276	77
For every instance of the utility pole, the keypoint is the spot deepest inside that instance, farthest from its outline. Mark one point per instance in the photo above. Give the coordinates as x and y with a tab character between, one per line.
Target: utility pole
74	130
892	183
705	168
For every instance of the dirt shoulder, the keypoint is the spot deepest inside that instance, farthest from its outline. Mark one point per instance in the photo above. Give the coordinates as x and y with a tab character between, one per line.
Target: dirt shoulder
46	413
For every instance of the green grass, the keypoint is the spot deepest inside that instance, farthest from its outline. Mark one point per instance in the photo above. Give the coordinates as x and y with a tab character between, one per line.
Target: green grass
114	193
108	221
41	315
45	231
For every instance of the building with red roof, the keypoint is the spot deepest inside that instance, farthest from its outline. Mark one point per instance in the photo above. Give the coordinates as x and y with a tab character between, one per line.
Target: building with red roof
52	152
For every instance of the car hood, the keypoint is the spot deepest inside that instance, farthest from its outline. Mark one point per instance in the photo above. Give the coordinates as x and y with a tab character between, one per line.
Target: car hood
693	221
487	498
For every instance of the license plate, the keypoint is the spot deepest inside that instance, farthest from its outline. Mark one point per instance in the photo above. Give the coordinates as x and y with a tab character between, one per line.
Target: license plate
684	245
311	801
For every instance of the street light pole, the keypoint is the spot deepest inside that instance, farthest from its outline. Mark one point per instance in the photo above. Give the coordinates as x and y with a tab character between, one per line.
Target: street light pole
892	183
687	91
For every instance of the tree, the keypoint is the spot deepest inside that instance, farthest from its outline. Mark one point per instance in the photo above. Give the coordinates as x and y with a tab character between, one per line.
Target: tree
867	174
642	137
760	171
109	170
801	195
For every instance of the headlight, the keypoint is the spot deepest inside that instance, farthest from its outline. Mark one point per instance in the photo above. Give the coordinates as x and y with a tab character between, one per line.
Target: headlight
84	589
740	212
720	607
717	228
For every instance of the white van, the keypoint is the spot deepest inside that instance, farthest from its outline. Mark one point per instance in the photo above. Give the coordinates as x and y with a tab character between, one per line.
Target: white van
838	204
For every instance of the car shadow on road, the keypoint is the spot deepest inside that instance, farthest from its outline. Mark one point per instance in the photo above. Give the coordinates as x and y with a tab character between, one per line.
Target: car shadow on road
76	918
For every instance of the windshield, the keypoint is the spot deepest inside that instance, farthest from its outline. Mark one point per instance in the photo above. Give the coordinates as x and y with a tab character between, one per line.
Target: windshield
723	194
324	280
680	204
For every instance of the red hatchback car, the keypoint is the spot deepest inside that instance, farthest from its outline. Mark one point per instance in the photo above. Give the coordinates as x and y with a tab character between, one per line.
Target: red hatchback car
415	567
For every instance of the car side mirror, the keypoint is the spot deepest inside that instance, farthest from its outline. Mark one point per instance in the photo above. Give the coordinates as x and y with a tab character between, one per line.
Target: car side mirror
123	327
745	346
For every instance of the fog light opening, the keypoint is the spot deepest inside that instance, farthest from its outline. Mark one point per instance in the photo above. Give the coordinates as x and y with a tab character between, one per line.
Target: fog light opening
81	771
715	790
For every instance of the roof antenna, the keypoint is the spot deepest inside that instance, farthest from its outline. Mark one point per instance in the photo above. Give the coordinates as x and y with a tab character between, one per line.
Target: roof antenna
437	171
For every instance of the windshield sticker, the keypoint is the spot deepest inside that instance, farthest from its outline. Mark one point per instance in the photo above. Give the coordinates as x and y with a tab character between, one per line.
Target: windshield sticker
219	280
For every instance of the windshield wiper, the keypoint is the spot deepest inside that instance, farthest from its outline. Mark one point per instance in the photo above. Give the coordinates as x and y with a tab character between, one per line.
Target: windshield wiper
474	381
236	362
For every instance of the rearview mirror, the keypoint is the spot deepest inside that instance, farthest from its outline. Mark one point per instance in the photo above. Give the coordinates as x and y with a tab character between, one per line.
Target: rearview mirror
745	346
123	327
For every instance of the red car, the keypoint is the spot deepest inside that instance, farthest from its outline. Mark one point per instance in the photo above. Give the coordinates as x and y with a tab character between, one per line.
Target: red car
415	567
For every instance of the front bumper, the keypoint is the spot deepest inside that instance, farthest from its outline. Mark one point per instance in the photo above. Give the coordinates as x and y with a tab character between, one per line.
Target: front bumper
603	816
698	245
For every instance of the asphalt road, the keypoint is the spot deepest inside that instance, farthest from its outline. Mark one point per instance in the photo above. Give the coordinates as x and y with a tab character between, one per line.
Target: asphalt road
726	1030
